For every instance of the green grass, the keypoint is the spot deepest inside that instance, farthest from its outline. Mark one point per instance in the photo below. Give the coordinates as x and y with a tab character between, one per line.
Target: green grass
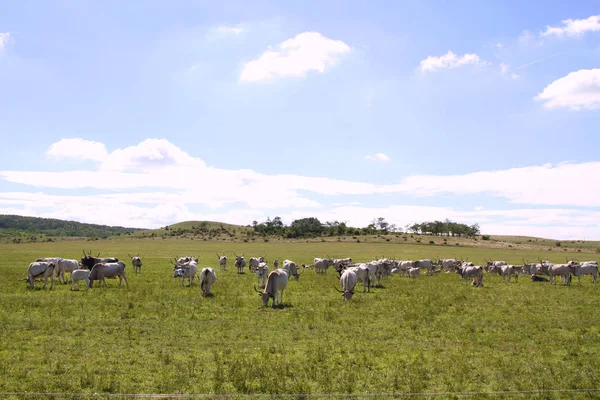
433	334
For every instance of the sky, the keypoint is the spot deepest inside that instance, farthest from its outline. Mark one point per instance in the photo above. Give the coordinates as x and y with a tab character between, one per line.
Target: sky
148	113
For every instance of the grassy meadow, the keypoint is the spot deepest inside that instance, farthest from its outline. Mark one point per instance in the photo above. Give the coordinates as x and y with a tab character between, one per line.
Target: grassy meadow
429	335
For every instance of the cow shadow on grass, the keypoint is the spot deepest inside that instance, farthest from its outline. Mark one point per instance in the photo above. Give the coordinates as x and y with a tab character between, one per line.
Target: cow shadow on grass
280	306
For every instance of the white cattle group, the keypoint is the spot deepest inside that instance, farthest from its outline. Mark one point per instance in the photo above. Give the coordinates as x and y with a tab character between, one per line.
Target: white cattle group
273	281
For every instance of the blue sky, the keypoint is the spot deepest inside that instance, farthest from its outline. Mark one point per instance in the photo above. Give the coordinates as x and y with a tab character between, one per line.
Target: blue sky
149	113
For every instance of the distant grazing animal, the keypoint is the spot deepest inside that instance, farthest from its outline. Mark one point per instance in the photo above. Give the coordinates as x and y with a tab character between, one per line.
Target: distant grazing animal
276	284
321	264
504	271
136	262
79	275
100	271
240	263
253	263
341	263
38	269
427	264
65	265
88	261
262	272
348	281
414	272
404	265
207	278
490	264
563	270
291	268
222	262
469	272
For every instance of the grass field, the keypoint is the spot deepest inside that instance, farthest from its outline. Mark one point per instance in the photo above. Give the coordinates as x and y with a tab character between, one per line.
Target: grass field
428	335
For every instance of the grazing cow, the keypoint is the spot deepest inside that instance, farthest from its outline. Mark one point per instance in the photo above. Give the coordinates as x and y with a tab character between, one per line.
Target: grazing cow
348	281
136	262
65	265
207	278
562	270
276	283
414	272
222	262
385	267
101	271
79	275
321	264
291	268
585	268
469	272
427	264
504	271
88	261
362	275
341	263
240	263
262	272
41	268
448	264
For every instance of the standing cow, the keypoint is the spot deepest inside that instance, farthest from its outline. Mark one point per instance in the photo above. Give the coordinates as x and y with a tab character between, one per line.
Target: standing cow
240	263
65	265
222	261
348	281
38	269
136	262
207	278
89	261
276	284
101	271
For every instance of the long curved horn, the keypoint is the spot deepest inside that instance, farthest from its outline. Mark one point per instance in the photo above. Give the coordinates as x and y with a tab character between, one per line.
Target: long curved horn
258	291
341	291
218	256
129	255
85	255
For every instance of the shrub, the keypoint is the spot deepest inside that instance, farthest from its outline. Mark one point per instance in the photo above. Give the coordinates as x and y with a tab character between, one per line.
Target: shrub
431	242
485	237
558	244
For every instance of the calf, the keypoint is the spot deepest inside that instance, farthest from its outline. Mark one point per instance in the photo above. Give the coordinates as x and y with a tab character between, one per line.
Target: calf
136	262
80	275
414	272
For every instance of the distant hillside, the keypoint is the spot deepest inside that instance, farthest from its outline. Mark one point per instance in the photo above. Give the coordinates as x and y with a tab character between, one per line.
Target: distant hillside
16	225
198	229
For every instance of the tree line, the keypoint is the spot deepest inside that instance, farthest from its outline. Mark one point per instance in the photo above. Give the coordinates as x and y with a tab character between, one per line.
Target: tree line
11	225
311	227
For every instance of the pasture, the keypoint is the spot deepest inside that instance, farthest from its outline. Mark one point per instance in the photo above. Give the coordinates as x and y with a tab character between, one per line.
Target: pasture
429	335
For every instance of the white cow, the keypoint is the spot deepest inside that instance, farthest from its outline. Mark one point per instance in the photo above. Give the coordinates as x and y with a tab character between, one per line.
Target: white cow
136	262
65	265
585	268
276	283
414	272
222	262
291	268
101	271
504	271
448	264
468	272
321	264
262	272
207	278
348	281
188	271
404	265
427	264
362	275
41	268
341	262
240	263
490	264
562	270
253	263
79	275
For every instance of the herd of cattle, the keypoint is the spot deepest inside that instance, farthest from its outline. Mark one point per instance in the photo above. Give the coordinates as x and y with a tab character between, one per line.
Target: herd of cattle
273	283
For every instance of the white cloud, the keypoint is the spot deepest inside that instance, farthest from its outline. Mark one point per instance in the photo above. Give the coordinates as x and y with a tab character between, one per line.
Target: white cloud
377	157
230	30
577	90
4	38
77	148
308	51
156	183
574	27
505	69
449	60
